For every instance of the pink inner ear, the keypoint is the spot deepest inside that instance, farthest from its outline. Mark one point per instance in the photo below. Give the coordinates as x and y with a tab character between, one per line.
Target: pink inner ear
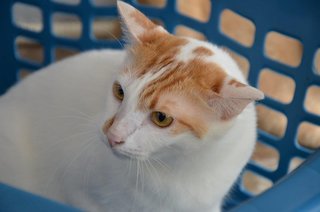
233	98
233	89
227	109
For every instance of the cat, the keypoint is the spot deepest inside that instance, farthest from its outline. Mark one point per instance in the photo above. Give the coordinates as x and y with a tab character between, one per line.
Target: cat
268	121
165	125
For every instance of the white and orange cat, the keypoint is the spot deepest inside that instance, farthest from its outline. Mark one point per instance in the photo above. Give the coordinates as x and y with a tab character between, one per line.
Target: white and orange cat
166	125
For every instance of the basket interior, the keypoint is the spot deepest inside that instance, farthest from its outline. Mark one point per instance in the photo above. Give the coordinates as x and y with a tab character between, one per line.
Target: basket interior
276	43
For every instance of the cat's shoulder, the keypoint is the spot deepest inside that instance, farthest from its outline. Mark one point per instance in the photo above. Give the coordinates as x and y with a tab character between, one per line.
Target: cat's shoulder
98	54
93	67
93	58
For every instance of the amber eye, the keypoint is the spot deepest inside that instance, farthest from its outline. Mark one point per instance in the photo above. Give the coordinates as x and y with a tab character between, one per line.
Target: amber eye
161	119
118	91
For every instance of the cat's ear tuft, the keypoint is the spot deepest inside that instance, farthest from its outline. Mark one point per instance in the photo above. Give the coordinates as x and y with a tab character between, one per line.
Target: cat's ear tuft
136	24
233	97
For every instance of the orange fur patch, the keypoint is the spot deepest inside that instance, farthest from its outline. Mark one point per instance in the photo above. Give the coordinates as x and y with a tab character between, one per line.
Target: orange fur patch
195	80
202	51
190	113
107	125
193	76
157	50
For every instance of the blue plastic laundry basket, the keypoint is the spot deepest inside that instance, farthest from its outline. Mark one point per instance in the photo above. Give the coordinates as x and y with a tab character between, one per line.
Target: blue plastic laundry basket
299	191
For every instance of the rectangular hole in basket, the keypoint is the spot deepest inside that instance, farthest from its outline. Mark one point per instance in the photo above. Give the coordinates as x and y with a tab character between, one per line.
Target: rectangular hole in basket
70	2
271	121
104	3
242	61
312	100
181	30
283	49
254	183
309	135
237	27
23	73
199	10
295	162
27	17
153	3
64	52
316	62
277	86
266	156
66	25
106	28
29	49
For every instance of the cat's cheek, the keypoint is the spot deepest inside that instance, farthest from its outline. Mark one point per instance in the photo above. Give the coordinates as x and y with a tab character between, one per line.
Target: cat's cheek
177	128
134	147
112	106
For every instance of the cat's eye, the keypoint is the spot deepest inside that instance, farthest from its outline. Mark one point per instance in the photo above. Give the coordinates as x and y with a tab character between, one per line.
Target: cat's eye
118	91
161	119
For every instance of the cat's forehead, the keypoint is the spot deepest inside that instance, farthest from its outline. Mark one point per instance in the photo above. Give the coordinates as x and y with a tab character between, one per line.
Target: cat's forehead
165	63
161	50
172	75
175	64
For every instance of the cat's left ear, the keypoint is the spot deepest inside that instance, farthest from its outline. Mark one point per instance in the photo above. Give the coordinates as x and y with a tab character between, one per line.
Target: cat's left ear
233	97
136	24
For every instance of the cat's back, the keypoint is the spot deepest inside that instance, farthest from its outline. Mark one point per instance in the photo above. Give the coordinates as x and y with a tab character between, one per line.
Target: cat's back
79	83
89	67
83	75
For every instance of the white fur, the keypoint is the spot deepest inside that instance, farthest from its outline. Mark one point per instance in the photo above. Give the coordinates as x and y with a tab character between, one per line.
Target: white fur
52	145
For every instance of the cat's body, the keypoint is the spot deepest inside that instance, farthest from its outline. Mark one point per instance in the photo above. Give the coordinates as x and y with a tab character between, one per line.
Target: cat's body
54	127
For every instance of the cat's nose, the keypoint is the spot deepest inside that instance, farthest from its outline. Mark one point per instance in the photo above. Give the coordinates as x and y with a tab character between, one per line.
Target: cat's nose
114	140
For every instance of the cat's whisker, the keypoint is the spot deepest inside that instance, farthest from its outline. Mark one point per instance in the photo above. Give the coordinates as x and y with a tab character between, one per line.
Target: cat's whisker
137	180
115	38
66	168
142	175
75	125
75	117
137	174
161	163
88	173
68	111
162	141
71	109
155	175
70	138
89	121
147	167
130	166
55	172
157	160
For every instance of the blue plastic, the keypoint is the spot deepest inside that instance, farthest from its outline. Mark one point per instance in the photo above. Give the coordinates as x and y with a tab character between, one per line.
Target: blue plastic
13	200
299	191
296	18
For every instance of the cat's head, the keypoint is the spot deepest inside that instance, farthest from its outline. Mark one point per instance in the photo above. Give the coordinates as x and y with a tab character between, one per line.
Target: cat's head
172	91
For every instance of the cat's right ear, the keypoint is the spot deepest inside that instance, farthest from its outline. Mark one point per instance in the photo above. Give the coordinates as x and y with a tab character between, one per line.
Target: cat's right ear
232	97
135	24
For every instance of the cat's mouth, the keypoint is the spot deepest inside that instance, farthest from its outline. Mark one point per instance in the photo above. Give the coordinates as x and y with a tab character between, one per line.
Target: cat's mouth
129	154
124	153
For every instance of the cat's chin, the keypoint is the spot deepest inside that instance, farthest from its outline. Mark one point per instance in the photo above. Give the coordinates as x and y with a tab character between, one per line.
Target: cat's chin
123	154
